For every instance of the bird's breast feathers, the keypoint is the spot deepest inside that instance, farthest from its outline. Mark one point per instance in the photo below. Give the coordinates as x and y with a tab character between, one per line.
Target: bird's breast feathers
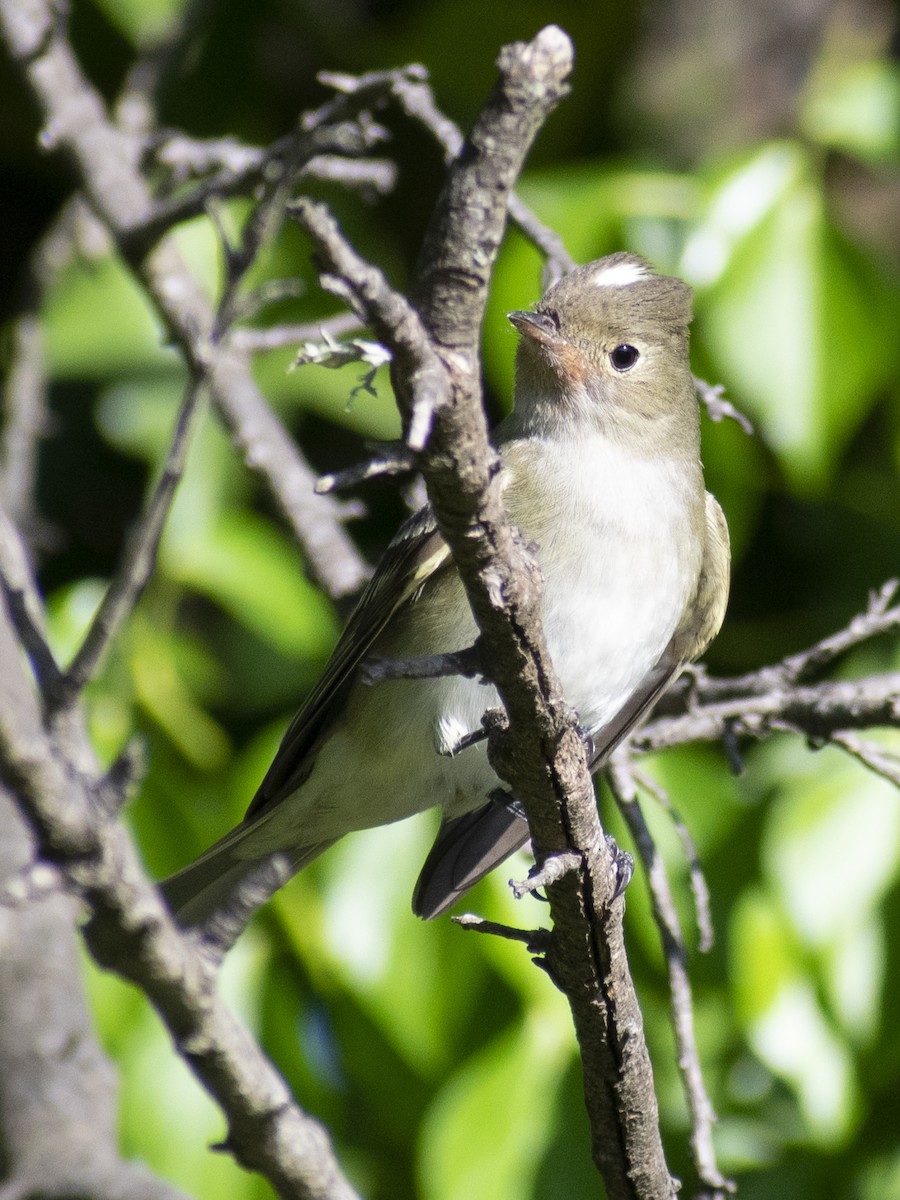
620	546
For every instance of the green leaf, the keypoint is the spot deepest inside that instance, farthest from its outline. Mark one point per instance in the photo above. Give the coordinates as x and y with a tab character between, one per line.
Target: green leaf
855	107
785	1023
794	317
491	1125
243	563
141	21
827	804
98	323
353	909
165	697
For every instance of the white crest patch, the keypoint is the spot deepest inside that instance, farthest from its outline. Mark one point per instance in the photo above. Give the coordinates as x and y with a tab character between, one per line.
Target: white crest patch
619	275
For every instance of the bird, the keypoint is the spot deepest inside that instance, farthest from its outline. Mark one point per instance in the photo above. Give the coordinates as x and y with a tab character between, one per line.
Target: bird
600	470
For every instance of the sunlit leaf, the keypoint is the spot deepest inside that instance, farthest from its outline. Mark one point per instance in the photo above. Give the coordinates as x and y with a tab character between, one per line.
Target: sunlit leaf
164	695
486	1134
784	1022
794	318
855	107
251	569
141	21
99	322
827	805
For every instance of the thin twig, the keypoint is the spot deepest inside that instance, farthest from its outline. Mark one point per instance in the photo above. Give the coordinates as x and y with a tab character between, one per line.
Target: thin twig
279	336
26	608
34	882
699	886
818	710
137	563
25	422
394	458
870	754
467	662
104	157
551	870
703	1116
410	88
392	318
877	619
375	176
290	155
537	940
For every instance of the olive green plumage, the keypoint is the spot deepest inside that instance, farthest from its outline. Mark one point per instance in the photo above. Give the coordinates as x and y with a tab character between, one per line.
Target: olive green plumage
601	471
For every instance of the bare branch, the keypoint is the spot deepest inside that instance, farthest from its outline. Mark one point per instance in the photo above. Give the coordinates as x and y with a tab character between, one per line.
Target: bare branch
25	422
376	176
31	883
870	754
878	618
279	336
551	870
105	159
410	88
314	152
468	662
25	605
699	886
540	755
137	563
394	458
819	711
392	318
537	940
703	1117
131	932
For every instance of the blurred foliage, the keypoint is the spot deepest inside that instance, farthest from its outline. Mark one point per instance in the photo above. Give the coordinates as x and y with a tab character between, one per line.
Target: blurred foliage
445	1064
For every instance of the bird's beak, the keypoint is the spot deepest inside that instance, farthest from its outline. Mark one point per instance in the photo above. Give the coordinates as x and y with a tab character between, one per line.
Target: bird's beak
539	327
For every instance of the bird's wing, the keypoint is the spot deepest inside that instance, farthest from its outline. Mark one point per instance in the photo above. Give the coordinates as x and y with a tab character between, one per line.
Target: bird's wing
701	622
415	553
467	848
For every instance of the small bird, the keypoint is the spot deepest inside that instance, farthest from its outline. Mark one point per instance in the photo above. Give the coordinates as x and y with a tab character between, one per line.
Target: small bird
601	472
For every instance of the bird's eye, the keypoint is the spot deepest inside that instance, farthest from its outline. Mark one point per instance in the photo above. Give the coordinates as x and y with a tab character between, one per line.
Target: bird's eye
624	357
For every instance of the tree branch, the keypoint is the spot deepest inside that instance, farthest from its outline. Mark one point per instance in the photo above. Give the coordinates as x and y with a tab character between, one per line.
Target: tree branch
131	932
138	562
818	711
105	159
541	754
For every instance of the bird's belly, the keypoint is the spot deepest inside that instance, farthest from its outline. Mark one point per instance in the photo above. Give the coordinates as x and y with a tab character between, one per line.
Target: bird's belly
608	628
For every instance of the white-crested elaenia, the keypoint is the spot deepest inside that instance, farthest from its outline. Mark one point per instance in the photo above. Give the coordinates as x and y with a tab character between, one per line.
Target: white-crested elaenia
601	472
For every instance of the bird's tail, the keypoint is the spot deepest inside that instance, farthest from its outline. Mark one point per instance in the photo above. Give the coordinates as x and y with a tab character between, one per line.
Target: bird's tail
207	885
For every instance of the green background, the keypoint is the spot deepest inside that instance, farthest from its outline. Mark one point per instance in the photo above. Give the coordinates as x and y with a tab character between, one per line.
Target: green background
762	165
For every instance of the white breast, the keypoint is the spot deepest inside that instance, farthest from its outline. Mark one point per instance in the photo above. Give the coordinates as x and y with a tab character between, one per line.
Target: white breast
620	559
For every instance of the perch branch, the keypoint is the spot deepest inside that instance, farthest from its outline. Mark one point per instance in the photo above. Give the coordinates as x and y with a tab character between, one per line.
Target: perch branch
541	754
